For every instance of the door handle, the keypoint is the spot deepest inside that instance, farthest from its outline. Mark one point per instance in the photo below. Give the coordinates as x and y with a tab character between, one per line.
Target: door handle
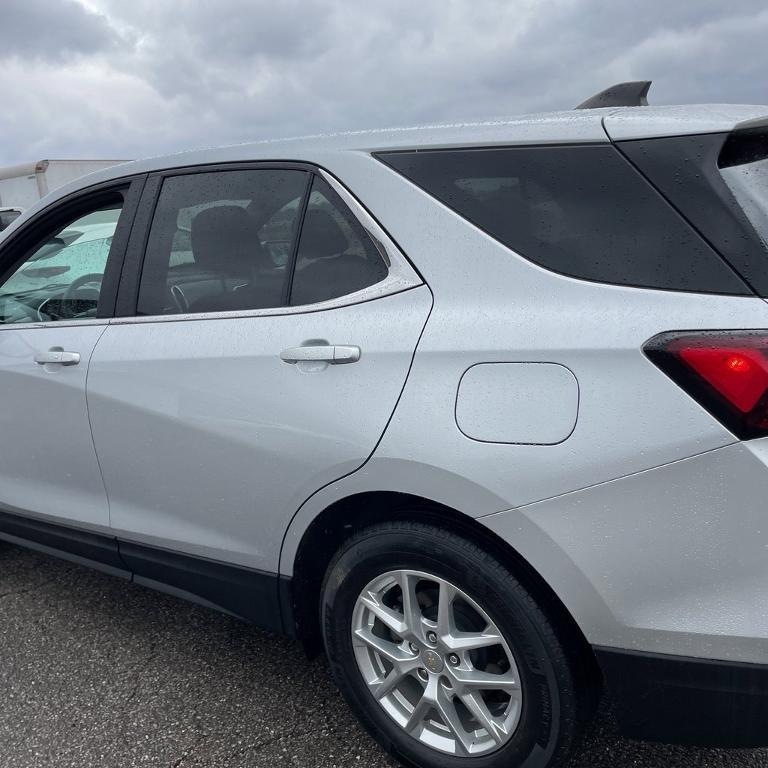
326	353
57	357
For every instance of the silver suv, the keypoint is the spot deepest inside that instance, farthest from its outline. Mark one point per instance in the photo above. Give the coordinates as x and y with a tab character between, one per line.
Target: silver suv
480	410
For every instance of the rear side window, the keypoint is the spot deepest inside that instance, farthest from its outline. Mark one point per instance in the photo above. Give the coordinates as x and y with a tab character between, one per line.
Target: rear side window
220	241
580	211
252	239
336	256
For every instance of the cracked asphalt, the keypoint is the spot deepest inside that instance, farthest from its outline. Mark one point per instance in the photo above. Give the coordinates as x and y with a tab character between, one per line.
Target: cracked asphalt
95	671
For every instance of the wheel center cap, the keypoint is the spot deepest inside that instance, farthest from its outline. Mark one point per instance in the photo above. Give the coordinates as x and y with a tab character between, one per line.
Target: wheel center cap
432	661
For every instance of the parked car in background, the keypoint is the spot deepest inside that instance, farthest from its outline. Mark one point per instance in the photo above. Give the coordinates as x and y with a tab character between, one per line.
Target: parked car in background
7	215
479	410
23	185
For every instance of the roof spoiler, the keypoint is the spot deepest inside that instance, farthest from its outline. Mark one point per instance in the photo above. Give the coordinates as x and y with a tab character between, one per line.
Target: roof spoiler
631	94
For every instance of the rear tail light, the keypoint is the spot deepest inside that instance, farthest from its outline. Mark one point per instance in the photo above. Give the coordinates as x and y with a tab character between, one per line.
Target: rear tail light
725	371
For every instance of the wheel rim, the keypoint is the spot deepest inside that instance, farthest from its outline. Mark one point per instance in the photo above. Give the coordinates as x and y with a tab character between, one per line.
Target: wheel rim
436	663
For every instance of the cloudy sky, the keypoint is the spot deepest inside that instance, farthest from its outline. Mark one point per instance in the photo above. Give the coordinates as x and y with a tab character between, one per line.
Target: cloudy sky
131	78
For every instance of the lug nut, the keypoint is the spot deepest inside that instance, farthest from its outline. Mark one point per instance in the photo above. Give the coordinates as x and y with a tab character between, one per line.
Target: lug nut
414	648
453	660
431	637
422	673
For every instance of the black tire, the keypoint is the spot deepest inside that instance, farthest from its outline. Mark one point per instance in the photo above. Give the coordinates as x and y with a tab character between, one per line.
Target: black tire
555	705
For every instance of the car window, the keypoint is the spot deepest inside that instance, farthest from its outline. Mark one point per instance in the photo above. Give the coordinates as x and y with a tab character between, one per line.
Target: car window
6	217
336	256
578	210
743	164
60	278
220	241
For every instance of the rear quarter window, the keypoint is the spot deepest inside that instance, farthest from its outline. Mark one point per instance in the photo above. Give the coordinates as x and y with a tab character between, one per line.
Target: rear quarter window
743	164
582	211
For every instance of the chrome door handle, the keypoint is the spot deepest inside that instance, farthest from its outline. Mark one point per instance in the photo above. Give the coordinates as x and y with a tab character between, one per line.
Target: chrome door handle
326	353
57	357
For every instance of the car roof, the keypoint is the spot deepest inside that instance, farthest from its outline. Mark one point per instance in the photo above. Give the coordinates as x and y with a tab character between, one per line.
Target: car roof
572	126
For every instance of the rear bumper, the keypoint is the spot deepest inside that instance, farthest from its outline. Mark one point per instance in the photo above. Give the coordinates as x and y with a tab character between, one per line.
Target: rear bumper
681	700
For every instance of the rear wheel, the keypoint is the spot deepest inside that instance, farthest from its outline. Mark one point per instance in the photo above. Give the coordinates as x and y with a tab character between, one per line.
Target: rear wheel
444	655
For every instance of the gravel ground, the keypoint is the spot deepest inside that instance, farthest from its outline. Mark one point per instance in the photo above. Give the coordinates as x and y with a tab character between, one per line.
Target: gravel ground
98	672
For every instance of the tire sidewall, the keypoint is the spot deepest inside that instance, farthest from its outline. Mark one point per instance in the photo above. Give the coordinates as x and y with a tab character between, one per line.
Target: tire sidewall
537	737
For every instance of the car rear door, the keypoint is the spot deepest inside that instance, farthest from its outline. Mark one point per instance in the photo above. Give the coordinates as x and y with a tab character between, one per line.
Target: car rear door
261	354
57	292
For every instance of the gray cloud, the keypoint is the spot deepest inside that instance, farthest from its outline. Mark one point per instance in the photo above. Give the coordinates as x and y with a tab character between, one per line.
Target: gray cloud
40	29
161	76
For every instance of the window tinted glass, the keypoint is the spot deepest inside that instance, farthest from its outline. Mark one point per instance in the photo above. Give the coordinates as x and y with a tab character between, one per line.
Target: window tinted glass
336	256
220	242
60	279
582	211
744	166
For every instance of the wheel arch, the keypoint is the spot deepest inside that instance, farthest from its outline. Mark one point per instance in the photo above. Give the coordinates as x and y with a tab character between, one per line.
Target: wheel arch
344	517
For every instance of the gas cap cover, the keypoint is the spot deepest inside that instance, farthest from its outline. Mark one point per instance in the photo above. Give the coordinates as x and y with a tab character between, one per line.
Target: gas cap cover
523	403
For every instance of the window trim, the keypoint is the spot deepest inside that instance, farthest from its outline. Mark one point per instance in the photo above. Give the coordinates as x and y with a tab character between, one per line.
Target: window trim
401	275
19	242
299	227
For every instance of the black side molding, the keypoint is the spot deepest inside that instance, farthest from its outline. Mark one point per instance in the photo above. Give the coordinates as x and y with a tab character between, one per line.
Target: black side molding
263	599
84	547
680	700
243	592
630	94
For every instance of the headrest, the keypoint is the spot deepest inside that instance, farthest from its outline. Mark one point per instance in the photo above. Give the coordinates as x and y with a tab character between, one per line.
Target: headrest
321	236
225	239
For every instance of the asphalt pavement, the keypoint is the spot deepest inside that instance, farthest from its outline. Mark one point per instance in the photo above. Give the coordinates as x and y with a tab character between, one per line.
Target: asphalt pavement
96	672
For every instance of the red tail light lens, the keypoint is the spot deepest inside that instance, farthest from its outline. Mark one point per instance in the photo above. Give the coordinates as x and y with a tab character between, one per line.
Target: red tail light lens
725	371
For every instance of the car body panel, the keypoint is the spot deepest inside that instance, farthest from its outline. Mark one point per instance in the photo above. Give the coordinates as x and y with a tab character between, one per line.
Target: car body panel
676	555
209	442
48	465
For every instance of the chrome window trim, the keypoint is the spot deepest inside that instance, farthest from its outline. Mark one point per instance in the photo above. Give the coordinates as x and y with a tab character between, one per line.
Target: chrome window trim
401	275
380	290
55	324
383	289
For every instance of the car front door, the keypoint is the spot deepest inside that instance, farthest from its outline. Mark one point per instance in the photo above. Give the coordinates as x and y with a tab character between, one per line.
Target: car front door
57	292
271	338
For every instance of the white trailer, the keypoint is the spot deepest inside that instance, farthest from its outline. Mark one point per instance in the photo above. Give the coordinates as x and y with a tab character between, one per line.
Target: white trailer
23	185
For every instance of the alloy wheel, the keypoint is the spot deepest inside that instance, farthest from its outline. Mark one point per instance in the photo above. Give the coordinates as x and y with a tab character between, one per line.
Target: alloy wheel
436	662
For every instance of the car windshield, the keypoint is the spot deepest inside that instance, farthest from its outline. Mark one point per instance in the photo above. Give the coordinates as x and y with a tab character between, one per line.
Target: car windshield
744	166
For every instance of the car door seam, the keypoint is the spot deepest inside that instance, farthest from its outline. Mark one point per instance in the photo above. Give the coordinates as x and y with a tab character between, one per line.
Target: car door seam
90	425
378	441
